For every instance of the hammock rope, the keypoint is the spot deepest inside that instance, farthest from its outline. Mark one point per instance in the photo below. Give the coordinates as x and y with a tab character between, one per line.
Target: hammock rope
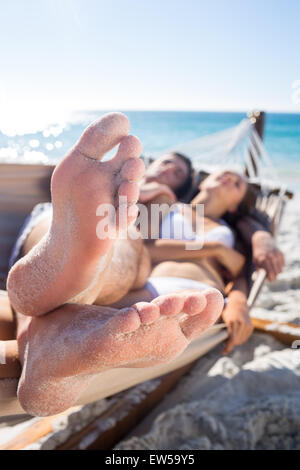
240	148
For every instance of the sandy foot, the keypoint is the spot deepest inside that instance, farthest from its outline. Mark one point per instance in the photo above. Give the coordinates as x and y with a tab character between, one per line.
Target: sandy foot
48	275
63	351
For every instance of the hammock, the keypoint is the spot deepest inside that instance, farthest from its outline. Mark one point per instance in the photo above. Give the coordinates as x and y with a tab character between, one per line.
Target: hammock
240	147
24	185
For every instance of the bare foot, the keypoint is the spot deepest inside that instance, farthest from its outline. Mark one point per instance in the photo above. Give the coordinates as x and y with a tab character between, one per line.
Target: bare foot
48	276
65	349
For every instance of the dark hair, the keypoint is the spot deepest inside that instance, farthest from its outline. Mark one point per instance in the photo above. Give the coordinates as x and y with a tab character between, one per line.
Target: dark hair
245	207
247	204
186	185
197	179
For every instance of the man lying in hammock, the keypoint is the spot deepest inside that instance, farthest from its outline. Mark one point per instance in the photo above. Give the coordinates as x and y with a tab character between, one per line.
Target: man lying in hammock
63	339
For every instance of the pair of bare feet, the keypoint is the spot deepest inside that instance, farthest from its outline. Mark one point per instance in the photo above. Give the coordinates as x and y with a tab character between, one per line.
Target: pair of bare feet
62	350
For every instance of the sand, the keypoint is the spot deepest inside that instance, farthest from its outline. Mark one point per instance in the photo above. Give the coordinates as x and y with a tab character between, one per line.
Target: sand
249	399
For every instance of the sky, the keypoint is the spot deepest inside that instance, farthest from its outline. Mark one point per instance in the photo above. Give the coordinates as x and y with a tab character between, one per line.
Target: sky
63	55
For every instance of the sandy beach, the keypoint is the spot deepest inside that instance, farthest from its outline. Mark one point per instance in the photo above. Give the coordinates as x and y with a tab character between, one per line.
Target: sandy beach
249	399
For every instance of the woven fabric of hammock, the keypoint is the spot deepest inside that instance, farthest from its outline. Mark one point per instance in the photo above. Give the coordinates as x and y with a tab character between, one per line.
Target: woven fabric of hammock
239	148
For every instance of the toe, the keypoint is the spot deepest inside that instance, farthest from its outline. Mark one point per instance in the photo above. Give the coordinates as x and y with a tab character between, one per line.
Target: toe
128	193
148	312
125	215
194	303
193	326
102	135
132	170
130	147
126	320
170	304
126	208
215	302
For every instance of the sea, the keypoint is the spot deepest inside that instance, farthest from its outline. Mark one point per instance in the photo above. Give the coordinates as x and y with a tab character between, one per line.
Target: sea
158	131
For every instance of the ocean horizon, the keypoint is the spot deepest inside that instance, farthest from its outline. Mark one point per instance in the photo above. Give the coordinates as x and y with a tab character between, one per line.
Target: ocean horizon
158	131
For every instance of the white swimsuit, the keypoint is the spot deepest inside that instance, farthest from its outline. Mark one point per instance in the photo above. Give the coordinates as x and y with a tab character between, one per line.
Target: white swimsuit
176	227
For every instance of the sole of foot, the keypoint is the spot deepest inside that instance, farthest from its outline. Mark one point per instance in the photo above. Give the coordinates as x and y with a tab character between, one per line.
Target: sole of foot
71	258
68	347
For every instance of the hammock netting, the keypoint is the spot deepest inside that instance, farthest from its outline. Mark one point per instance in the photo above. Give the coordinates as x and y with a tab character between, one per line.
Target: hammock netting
239	148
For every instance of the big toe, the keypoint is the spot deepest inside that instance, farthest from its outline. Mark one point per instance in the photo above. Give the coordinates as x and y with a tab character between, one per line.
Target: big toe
102	135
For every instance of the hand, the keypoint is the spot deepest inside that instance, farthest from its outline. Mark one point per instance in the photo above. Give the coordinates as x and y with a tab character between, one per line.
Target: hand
237	319
266	255
151	190
231	259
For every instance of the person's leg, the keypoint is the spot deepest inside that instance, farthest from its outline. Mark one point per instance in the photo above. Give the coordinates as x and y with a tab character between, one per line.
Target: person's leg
70	260
129	269
63	350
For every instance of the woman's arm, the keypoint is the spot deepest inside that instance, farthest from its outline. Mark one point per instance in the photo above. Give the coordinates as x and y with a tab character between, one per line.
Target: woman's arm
266	254
236	314
180	250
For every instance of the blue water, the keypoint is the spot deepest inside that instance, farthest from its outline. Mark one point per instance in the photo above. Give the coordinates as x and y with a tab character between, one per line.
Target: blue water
161	130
